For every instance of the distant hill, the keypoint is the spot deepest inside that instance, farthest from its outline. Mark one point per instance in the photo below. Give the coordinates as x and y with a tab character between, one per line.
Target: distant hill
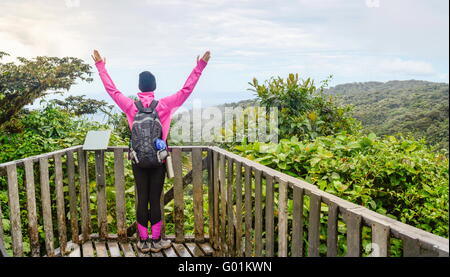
419	108
416	107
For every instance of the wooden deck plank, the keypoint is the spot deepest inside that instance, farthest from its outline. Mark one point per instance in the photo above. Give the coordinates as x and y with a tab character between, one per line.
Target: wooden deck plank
114	249
195	250
76	250
157	254
88	249
127	249
100	248
181	250
170	252
206	248
139	253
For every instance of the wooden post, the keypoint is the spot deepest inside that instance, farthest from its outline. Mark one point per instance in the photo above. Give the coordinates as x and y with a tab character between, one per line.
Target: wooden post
210	169
332	239
88	189
411	247
84	195
178	195
223	203
353	222
248	211
314	225
31	208
282	219
197	182
380	240
46	206
216	200
72	197
119	183
230	211
14	211
60	208
239	209
2	245
101	193
297	222
269	217
258	214
163	217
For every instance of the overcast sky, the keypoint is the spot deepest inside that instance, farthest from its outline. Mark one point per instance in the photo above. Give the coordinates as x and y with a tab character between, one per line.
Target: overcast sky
354	40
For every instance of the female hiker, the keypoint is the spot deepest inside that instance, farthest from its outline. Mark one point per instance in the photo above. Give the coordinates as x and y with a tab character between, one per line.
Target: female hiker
149	174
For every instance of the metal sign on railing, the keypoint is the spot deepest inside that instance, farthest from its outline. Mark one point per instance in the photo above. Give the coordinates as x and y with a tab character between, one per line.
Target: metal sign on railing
97	140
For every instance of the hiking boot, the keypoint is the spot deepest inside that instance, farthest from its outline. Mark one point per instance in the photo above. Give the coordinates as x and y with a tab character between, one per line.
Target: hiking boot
158	245
144	246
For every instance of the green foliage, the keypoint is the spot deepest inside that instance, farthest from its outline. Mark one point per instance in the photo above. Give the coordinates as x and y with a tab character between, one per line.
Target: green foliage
28	80
80	105
303	108
401	178
48	129
419	108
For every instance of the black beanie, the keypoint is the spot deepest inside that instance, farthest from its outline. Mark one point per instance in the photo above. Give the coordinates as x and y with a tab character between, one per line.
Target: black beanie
147	81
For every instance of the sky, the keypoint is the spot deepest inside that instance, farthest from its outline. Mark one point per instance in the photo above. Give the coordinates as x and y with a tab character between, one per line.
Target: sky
353	40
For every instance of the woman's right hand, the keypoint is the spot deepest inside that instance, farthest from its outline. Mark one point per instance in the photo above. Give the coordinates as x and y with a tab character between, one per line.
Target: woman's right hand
205	57
97	58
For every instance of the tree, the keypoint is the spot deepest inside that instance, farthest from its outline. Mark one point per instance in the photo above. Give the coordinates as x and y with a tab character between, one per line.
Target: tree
22	83
304	110
80	105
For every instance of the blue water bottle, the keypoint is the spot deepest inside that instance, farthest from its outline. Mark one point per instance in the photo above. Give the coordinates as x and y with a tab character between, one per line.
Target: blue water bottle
160	144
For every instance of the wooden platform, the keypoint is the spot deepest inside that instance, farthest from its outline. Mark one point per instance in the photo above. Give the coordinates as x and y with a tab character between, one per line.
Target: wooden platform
114	248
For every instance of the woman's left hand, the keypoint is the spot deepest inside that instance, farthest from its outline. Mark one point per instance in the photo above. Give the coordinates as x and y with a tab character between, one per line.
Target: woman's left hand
97	58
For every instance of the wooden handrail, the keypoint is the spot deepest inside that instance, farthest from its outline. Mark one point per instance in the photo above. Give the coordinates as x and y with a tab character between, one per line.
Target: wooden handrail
37	157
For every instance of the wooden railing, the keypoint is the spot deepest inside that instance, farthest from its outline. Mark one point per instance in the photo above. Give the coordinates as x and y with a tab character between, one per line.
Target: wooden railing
252	210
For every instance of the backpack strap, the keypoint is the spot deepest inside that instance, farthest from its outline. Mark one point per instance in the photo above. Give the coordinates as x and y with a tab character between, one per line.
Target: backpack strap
150	109
153	105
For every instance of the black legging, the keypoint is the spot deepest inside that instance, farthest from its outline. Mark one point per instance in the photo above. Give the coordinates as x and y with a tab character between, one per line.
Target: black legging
149	184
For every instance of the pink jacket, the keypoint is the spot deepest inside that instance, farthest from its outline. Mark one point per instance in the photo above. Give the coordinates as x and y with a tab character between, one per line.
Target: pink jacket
166	106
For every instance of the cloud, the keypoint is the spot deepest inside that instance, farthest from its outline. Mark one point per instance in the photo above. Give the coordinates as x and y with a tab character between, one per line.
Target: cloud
407	67
248	38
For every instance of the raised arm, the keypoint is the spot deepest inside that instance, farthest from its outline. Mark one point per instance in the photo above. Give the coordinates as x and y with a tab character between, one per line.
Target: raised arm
174	101
121	100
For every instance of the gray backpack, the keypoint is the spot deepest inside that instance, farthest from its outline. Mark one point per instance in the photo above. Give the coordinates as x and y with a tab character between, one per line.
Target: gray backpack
145	130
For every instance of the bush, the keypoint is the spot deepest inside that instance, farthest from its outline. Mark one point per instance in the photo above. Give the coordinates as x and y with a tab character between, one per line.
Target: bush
304	110
400	178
